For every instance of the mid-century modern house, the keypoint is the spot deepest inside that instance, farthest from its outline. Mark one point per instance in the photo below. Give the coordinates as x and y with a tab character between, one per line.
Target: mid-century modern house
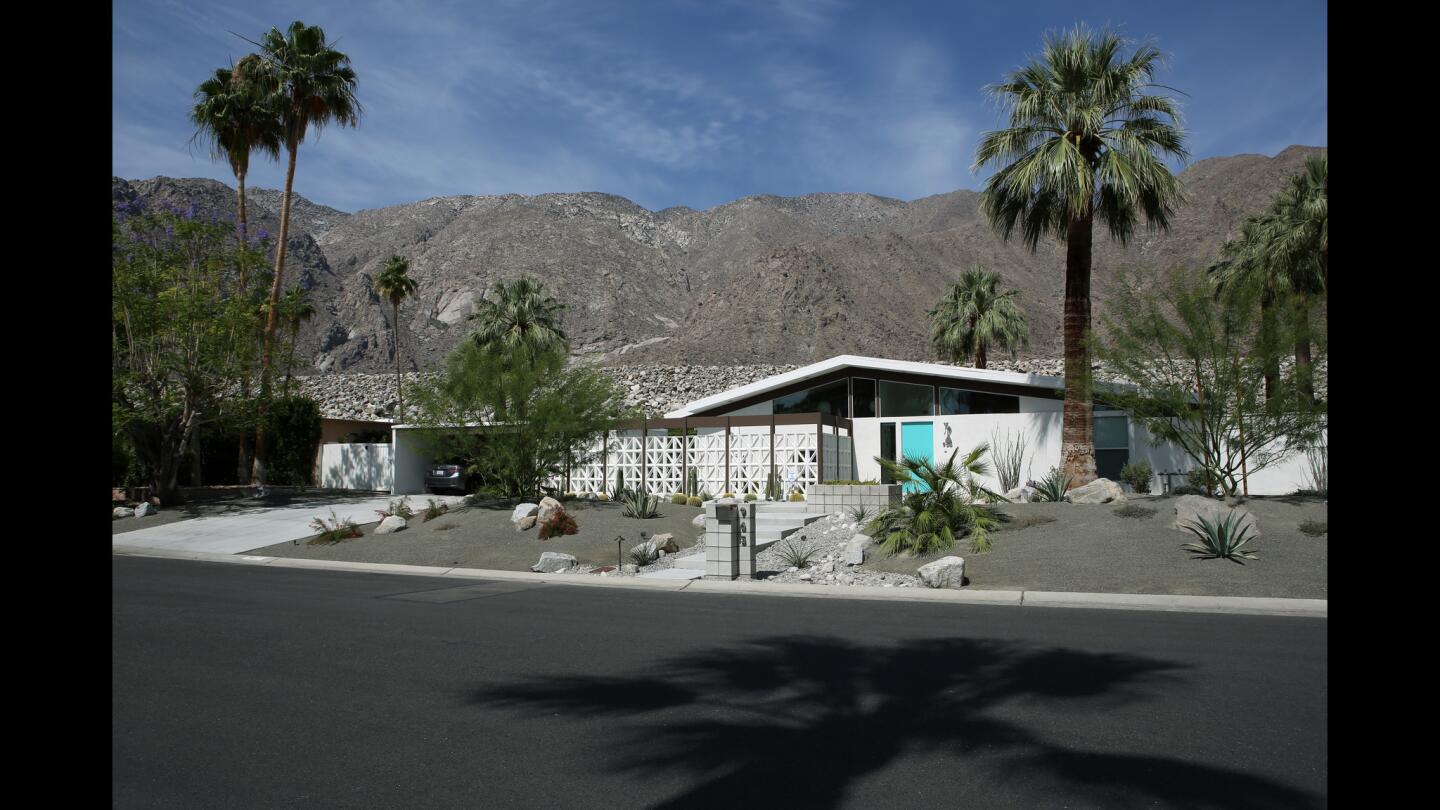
829	420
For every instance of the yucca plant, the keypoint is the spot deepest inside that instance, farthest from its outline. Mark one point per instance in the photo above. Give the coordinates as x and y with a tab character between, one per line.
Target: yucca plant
1223	539
861	514
1052	487
941	509
642	555
793	555
637	504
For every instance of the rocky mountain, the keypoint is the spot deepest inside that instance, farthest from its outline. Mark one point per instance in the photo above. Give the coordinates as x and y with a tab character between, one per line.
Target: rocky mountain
764	279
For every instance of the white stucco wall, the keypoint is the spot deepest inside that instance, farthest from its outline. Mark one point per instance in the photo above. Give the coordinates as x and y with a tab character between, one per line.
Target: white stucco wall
410	460
365	467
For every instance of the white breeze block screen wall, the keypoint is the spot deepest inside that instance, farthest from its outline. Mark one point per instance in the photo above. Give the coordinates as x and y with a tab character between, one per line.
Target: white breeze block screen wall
356	466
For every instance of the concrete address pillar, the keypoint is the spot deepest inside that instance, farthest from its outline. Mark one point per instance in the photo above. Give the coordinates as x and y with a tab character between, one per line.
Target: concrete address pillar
729	540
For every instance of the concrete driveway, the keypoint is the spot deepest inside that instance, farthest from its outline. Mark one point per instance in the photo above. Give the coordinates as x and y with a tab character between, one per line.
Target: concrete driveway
260	526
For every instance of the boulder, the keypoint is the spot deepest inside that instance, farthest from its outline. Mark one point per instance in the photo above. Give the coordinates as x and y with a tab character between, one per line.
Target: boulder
699	521
523	511
1190	508
1021	494
857	549
391	524
525	523
664	542
946	572
553	561
548	507
1101	490
122	511
145	509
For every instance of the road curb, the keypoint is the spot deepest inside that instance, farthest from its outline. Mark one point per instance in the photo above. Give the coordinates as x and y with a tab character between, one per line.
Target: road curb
1265	606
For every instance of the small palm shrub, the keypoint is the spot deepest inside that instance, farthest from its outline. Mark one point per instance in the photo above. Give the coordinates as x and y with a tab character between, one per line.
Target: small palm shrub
695	500
637	504
679	499
1138	475
1314	528
434	510
1131	510
333	532
559	523
794	555
1052	487
1224	539
933	516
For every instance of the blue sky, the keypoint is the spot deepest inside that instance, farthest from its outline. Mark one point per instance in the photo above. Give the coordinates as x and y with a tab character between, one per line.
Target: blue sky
690	102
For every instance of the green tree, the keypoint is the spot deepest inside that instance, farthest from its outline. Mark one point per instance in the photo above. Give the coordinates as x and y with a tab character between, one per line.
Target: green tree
1197	363
395	285
939	505
178	336
1084	140
233	118
296	308
312	85
974	316
518	422
518	319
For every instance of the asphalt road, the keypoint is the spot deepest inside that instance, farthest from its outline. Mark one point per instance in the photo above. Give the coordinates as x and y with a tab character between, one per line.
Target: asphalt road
240	686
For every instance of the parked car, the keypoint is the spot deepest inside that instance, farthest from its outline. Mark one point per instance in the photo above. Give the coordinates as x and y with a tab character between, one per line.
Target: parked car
450	475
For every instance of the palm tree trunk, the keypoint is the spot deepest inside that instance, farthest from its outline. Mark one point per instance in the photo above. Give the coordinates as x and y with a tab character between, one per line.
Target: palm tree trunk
290	363
240	204
980	355
1077	435
242	466
1304	375
400	407
261	451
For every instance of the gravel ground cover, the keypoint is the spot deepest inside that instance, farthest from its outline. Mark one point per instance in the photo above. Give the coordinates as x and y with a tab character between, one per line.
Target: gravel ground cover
211	501
482	536
1091	549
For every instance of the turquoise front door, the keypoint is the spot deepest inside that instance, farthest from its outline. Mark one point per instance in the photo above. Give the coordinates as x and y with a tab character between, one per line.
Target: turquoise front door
917	440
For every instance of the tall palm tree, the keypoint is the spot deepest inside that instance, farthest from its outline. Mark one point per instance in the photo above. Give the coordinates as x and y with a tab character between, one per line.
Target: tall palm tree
296	307
974	316
233	117
520	318
395	285
1084	140
313	85
1240	264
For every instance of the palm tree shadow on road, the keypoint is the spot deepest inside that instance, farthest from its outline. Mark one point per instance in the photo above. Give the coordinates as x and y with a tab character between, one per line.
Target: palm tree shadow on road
798	720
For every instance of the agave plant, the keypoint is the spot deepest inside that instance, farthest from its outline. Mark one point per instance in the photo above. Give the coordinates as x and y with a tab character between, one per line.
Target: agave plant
1052	487
940	508
636	504
1223	539
793	555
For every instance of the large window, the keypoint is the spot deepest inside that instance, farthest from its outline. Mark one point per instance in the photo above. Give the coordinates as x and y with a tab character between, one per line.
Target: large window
829	398
955	401
905	399
1112	444
862	390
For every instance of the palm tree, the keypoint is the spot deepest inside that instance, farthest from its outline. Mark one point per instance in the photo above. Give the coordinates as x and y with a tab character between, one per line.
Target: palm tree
520	318
938	505
1240	264
313	85
1084	141
395	285
974	315
296	307
233	118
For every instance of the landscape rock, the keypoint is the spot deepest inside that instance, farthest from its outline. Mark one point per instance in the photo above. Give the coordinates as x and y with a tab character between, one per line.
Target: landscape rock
664	542
523	511
391	524
123	512
1101	490
1190	508
857	549
1021	494
548	507
552	562
526	523
144	510
946	572
699	521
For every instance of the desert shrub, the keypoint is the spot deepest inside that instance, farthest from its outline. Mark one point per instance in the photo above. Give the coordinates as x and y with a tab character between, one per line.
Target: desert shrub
292	433
794	555
1052	487
679	499
933	516
400	507
749	496
1314	528
333	532
694	500
619	491
559	523
1317	474
1224	539
705	495
1009	454
1195	481
861	514
434	510
1131	510
642	555
636	504
1138	475
797	495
